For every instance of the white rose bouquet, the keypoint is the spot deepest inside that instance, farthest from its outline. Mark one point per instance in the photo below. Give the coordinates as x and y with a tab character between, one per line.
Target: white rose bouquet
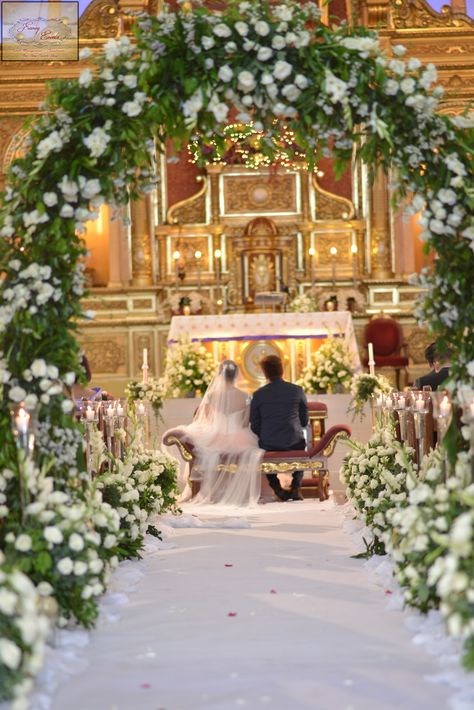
152	391
376	479
330	367
365	386
304	303
189	368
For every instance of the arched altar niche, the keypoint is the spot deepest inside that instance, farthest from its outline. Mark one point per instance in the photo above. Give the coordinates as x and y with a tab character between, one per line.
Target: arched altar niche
262	260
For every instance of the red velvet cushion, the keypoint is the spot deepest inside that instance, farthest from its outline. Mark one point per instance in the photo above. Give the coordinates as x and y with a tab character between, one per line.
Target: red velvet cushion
317	407
385	336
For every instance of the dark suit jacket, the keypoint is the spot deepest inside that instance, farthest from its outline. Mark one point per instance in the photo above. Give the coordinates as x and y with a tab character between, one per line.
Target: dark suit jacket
434	379
277	414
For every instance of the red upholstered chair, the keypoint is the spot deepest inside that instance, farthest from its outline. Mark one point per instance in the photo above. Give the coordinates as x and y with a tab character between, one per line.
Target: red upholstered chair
386	336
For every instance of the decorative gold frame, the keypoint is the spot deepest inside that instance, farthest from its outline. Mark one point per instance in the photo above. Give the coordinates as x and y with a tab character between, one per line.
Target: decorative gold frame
183	450
340	436
287	466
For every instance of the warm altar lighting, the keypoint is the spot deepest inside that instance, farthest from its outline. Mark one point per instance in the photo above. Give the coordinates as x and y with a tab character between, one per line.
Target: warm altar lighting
176	255
333	251
311	251
218	253
197	254
354	248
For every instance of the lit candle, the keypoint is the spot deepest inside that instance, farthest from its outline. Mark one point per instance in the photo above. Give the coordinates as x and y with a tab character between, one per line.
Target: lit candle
110	410
197	256
370	350
120	410
90	414
379	401
420	403
401	402
141	409
333	252
22	420
145	357
388	402
445	407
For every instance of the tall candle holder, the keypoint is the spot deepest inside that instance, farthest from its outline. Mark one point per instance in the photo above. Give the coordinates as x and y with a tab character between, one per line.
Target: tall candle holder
442	412
420	406
108	411
400	406
312	253
120	415
24	423
90	417
333	252
145	366
141	414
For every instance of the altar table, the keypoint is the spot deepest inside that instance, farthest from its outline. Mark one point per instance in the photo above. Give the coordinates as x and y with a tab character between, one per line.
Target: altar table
247	337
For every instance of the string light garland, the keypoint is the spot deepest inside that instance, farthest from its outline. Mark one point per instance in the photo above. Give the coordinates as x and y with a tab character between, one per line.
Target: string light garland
242	144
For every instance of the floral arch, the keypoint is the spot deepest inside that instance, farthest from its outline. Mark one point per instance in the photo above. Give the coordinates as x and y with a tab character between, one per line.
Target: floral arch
277	64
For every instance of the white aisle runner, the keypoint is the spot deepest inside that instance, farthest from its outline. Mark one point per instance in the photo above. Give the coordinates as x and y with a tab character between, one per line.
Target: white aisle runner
276	615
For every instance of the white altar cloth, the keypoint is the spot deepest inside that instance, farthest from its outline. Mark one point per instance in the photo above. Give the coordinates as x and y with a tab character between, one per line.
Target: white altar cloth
266	326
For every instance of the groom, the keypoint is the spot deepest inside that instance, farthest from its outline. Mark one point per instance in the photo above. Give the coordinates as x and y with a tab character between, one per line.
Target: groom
277	414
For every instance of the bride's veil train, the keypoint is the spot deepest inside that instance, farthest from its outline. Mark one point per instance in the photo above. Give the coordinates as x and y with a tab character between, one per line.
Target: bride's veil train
227	457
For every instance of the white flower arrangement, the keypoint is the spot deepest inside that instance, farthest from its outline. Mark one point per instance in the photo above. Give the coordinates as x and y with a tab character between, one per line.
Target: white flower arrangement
303	303
364	387
192	299
152	391
375	475
25	629
189	368
329	369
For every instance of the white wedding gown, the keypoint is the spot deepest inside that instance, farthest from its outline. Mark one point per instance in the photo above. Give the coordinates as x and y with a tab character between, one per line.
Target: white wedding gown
221	437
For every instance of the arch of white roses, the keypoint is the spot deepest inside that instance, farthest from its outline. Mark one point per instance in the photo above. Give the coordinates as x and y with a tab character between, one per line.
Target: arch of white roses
334	88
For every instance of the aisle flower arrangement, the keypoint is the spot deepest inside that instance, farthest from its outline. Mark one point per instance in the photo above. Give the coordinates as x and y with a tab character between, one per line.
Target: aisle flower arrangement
152	391
303	303
329	369
364	387
24	629
189	369
178	301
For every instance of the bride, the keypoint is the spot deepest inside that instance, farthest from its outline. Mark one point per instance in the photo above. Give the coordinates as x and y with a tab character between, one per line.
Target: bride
227	456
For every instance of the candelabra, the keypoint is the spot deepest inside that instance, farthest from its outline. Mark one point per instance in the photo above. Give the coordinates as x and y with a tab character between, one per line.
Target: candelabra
120	414
109	418
23	422
401	408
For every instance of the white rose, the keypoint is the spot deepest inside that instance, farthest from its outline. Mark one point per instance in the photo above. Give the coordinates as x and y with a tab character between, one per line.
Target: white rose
132	108
264	53
65	566
96	566
130	81
290	92
221	30
278	42
282	70
10	654
391	87
399	50
262	28
23	543
80	568
246	81
85	78
225	73
301	81
97	142
76	542
208	42
408	85
39	368
50	199
242	28
17	394
8	601
53	534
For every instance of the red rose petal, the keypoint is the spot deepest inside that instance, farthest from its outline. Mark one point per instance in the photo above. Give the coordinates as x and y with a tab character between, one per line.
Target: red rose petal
387	591
226	565
145	685
232	613
273	591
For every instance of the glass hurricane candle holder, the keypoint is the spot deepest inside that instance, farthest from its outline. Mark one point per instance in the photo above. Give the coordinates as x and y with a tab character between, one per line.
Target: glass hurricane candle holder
420	407
90	418
24	424
443	413
108	412
120	418
401	407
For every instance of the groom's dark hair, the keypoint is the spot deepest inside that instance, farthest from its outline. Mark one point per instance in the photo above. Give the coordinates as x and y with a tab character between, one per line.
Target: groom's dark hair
272	367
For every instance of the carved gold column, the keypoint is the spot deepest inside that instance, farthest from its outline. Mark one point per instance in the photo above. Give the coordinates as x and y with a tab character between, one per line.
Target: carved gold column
380	246
127	9
214	171
140	211
306	225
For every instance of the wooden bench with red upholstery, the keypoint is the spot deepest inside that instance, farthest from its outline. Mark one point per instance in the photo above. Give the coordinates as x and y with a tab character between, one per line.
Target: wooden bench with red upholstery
312	460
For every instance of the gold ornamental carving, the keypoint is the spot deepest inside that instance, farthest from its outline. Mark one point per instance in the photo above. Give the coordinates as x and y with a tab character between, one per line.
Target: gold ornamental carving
331	206
419	14
105	355
262	273
140	211
101	19
342	242
258	194
12	139
192	210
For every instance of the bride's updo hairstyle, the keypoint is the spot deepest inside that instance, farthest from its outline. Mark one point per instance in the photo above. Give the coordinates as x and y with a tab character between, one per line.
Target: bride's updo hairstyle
229	369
